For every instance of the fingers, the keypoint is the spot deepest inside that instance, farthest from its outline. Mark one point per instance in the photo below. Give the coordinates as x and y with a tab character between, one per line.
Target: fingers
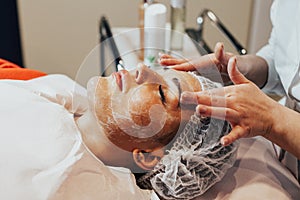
210	103
184	67
175	63
171	61
236	133
201	64
216	107
163	56
214	97
222	113
204	64
219	51
221	55
166	59
235	75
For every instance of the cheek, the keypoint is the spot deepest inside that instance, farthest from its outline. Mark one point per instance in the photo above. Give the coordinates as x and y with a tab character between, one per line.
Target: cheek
139	105
102	102
173	122
148	111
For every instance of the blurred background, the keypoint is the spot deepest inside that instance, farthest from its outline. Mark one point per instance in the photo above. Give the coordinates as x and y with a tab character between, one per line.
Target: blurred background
55	36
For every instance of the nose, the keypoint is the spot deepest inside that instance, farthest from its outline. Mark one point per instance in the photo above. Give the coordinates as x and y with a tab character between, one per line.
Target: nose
144	74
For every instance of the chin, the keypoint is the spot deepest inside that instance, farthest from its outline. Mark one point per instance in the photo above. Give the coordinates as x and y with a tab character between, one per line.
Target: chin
91	87
92	83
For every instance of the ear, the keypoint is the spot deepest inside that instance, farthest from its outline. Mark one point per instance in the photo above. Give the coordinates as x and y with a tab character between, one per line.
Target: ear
147	159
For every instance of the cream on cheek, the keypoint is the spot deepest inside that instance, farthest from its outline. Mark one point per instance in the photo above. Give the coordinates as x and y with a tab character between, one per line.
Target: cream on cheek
137	113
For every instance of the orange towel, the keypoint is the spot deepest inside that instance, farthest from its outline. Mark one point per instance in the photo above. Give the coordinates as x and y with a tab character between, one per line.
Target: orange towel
10	70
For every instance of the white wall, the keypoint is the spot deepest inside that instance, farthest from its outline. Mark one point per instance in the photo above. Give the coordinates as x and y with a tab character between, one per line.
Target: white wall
58	34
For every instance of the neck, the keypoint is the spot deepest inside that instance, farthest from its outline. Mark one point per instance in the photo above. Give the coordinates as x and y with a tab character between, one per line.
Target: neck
96	141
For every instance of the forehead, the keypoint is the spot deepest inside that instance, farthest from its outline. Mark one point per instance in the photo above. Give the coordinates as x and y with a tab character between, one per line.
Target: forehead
166	72
184	78
169	74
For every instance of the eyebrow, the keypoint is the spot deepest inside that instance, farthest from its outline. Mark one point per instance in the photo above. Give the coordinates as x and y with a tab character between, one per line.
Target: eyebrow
177	83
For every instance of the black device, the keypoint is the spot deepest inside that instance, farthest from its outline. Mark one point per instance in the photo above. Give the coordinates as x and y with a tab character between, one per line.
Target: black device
106	38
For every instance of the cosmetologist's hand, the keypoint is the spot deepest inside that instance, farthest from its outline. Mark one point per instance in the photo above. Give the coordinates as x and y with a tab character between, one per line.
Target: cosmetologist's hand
244	105
219	59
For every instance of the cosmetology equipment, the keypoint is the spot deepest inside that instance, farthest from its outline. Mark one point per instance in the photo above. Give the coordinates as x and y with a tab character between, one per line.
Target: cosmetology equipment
106	38
197	34
143	5
178	12
154	29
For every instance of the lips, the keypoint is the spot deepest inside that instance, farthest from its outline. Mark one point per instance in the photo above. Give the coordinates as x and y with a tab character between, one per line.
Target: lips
118	77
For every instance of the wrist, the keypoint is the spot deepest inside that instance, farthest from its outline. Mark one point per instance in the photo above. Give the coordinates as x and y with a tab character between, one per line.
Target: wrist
275	122
279	120
285	132
253	68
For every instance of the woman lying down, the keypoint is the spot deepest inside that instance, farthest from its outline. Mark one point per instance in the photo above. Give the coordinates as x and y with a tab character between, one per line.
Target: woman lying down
60	141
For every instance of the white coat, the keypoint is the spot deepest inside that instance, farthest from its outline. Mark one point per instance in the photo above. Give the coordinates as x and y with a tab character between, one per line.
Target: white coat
282	54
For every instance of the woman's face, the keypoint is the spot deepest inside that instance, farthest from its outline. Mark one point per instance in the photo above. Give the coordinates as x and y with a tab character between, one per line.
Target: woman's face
140	108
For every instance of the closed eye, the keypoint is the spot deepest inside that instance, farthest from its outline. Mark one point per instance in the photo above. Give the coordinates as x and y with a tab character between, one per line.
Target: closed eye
162	94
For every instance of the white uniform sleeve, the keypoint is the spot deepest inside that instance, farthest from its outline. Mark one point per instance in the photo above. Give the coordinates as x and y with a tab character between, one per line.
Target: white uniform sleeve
273	85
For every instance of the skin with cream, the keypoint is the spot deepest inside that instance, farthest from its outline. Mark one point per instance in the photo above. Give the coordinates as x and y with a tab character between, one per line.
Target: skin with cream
135	112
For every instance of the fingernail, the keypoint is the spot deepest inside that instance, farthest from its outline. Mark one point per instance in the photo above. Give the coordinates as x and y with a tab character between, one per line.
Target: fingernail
188	98
160	54
224	141
201	109
233	59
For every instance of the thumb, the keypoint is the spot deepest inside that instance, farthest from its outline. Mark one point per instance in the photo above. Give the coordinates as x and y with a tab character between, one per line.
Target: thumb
235	75
219	51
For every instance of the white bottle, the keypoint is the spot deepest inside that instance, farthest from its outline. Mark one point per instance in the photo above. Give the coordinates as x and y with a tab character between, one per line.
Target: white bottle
143	5
154	30
177	23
